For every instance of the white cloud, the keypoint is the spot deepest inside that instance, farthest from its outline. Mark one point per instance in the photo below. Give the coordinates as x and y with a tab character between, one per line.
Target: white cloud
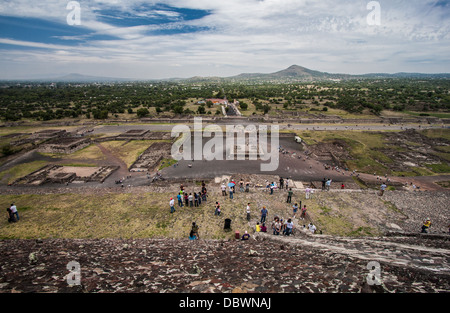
252	35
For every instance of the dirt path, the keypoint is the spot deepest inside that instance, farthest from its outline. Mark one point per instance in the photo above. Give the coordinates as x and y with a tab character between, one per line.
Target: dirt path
112	159
424	182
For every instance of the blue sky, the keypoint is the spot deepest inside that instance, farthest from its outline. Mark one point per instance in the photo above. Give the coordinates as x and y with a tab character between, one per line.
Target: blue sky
185	38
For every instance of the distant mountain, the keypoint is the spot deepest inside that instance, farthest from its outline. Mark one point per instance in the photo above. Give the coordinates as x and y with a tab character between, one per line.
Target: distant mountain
299	73
294	73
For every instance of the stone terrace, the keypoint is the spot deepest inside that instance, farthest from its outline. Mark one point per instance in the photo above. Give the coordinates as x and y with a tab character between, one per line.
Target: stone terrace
265	265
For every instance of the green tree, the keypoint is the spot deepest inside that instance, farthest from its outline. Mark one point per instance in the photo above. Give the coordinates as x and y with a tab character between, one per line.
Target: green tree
201	110
142	112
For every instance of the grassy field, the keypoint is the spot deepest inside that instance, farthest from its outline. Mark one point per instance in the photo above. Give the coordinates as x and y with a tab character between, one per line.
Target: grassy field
91	152
133	214
128	152
365	149
20	170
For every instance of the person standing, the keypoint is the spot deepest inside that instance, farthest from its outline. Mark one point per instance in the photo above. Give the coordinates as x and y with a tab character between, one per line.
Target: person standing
303	216
328	184
217	210
180	200
230	190
172	205
224	190
382	189
276	227
281	183
248	211
263	214
426	225
14	211
289	227
289	197
294	210
195	199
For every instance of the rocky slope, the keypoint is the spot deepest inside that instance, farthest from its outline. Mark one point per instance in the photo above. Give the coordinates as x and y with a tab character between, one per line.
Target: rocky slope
264	264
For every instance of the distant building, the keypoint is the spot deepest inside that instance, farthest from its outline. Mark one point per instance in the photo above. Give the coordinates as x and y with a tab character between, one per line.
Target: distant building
218	101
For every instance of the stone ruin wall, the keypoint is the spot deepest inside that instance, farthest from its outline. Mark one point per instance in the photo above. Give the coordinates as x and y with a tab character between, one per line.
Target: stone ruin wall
66	146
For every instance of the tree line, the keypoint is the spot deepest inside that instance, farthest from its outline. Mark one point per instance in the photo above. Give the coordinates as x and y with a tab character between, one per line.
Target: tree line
41	101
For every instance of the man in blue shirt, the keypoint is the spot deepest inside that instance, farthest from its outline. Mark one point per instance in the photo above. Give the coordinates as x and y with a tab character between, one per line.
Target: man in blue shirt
263	214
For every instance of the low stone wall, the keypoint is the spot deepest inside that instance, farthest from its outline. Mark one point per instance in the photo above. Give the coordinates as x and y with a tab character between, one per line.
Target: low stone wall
65	145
